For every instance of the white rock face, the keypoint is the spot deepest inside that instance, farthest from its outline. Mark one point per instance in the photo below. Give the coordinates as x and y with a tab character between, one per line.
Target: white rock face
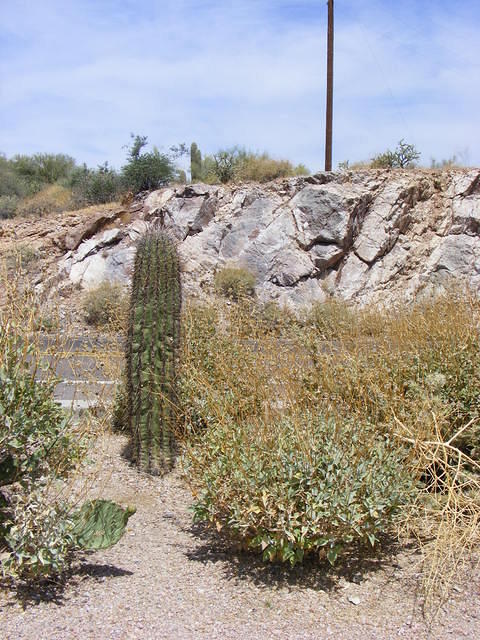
364	236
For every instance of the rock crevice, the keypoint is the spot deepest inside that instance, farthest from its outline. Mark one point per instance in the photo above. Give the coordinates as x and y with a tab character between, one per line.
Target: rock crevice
363	236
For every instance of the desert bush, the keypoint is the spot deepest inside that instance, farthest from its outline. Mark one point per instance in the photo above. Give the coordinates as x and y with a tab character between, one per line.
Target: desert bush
234	282
44	532
262	168
332	319
216	368
35	434
11	184
147	170
95	186
21	255
297	487
237	164
403	156
225	164
446	163
271	318
409	377
12	189
39	537
8	206
106	304
51	199
415	363
42	168
119	419
41	448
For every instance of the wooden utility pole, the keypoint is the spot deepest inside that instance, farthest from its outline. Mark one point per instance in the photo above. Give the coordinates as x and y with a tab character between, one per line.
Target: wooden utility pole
329	123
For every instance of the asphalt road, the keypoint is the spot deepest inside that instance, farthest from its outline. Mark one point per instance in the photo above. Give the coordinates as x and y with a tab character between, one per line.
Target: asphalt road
88	369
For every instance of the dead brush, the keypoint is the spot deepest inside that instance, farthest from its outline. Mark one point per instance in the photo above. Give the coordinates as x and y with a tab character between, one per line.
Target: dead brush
413	372
445	518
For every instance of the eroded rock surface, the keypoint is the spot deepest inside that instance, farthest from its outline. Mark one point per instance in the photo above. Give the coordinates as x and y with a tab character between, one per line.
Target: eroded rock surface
363	236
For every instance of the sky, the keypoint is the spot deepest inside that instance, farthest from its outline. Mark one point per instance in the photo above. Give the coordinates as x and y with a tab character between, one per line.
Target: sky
79	76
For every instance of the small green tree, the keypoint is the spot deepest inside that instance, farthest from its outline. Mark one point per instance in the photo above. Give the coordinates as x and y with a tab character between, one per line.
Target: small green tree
195	162
43	168
226	162
148	170
404	156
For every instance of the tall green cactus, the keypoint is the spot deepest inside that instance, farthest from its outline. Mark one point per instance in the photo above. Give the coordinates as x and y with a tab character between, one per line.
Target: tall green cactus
152	351
195	163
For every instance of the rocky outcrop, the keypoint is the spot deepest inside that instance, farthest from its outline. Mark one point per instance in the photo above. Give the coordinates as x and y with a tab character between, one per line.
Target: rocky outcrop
363	236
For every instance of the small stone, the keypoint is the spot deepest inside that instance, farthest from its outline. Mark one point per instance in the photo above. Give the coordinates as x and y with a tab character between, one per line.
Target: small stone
354	600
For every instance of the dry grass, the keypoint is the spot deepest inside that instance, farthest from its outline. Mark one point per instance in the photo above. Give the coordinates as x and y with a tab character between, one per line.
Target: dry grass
106	306
413	372
51	199
262	168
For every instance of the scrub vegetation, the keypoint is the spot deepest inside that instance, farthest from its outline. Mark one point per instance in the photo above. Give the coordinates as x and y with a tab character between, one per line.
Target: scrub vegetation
307	436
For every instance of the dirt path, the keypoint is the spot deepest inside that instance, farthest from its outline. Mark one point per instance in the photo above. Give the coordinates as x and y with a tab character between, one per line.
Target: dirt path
166	579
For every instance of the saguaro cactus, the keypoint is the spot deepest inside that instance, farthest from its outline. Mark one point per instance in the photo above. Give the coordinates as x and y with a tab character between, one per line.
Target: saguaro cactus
152	351
195	162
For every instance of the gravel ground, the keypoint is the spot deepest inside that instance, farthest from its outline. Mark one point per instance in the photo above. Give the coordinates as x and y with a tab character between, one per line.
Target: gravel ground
168	579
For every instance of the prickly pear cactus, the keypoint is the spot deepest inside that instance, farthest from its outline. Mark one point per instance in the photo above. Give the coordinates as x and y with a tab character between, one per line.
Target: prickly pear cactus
100	524
152	351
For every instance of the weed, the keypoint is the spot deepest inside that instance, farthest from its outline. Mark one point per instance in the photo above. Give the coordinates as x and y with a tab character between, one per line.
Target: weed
105	305
234	282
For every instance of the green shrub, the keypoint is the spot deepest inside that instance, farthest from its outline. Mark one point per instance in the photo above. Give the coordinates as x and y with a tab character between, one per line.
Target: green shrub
21	256
273	319
297	486
146	171
222	376
43	532
234	282
119	414
384	363
104	305
8	206
405	155
34	431
237	164
39	447
332	319
11	184
409	376
39	536
42	168
95	186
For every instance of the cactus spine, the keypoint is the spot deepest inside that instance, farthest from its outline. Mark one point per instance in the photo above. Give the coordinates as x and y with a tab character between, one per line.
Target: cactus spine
152	351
